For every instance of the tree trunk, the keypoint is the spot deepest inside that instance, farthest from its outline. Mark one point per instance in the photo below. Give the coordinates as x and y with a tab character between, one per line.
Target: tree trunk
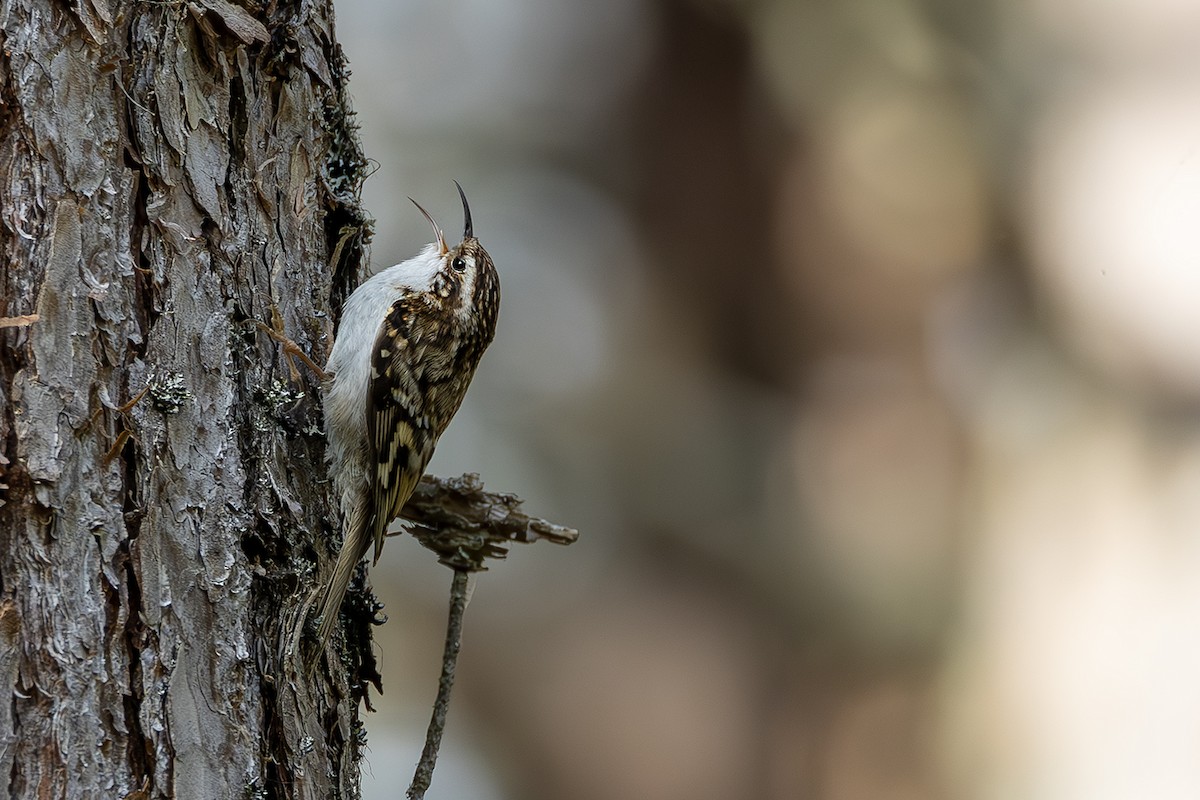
170	172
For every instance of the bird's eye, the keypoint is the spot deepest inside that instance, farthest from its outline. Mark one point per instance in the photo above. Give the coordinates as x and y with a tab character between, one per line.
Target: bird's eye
459	264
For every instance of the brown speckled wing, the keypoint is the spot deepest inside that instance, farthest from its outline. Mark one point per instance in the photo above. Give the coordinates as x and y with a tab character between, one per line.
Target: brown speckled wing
398	425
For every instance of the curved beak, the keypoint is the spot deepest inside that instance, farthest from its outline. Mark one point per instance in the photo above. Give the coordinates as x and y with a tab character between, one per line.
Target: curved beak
441	240
468	229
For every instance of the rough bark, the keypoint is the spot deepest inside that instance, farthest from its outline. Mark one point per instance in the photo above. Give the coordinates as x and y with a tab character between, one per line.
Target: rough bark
169	172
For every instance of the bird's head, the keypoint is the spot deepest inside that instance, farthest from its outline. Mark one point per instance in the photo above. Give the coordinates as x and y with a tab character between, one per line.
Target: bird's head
464	278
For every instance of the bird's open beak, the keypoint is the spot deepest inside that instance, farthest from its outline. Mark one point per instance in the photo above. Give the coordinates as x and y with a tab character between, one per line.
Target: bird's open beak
468	230
441	240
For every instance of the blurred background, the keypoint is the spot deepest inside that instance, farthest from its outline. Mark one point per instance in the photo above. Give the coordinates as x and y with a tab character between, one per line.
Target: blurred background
861	340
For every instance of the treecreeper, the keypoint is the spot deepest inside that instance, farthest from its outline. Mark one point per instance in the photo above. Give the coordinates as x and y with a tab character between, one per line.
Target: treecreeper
406	348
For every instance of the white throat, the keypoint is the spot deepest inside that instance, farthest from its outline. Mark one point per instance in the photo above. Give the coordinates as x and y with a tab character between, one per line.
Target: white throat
416	273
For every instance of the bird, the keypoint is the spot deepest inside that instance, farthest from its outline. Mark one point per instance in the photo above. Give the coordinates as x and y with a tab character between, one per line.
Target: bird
407	346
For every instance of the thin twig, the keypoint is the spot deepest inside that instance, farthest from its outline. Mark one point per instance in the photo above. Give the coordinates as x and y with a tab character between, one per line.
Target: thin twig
437	723
18	322
292	350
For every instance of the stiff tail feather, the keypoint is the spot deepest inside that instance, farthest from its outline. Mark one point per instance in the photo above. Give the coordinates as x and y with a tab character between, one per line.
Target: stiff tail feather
354	547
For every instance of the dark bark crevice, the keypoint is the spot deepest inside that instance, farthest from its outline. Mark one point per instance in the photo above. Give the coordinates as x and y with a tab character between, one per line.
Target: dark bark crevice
139	746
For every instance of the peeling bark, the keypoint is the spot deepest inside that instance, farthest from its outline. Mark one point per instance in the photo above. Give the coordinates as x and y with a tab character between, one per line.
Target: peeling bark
169	173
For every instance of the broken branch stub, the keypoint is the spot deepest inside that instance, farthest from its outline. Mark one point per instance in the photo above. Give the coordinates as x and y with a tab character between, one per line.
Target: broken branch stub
465	525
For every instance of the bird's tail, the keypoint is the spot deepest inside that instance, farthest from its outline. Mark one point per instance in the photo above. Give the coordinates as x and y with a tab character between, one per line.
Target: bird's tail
354	547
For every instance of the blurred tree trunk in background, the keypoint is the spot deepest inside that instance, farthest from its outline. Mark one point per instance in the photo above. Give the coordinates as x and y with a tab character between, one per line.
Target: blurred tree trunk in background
169	173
